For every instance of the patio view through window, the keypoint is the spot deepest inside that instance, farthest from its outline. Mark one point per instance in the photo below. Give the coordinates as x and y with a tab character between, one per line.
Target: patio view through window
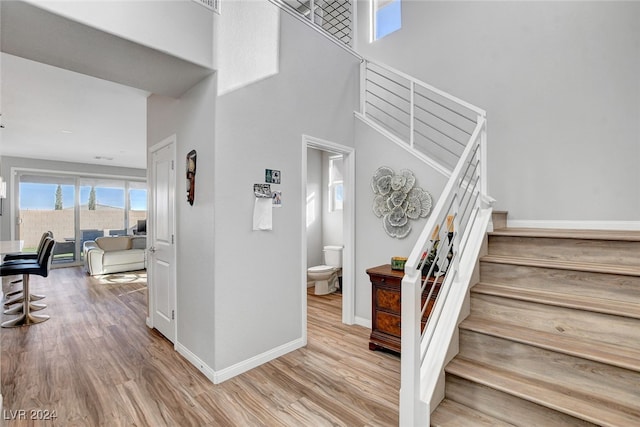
77	209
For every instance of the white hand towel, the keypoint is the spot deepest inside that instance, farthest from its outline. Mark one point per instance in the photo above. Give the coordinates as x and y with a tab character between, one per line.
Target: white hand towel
262	214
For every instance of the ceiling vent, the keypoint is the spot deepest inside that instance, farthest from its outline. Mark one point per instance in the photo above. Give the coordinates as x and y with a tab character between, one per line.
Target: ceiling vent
210	4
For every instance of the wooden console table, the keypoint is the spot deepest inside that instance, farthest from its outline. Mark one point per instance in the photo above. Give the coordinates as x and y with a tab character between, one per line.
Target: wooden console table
385	306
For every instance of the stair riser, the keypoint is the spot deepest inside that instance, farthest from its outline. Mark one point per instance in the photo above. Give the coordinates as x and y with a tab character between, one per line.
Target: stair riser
506	407
499	219
558	320
597	285
618	385
594	251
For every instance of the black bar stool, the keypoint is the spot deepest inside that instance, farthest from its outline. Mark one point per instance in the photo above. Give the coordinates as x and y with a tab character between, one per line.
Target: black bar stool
25	256
40	267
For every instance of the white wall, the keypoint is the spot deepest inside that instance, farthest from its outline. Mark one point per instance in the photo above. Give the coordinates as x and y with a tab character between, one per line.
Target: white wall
181	28
258	274
314	207
559	81
373	246
252	28
192	119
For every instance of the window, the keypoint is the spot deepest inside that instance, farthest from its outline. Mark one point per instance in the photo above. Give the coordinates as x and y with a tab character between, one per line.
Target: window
336	187
76	208
386	17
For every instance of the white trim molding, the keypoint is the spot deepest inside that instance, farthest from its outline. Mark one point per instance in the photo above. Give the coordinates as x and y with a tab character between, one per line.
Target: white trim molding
443	170
348	254
217	377
574	225
196	361
361	321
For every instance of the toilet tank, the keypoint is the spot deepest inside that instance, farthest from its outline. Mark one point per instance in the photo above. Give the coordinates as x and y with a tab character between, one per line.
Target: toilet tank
333	256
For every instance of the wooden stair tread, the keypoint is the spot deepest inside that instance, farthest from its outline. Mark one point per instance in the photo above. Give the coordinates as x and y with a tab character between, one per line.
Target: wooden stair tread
581	302
564	265
615	355
453	414
579	404
619	235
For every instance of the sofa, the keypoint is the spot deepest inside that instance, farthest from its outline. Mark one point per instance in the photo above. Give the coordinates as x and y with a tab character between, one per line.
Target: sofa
115	254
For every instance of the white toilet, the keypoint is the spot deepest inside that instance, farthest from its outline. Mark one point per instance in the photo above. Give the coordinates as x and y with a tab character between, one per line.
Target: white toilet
326	276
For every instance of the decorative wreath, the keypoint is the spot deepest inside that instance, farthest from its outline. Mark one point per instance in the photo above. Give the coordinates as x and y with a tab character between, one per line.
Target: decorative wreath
397	201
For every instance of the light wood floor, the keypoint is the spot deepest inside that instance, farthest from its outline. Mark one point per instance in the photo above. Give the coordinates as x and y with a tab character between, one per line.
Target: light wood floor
95	363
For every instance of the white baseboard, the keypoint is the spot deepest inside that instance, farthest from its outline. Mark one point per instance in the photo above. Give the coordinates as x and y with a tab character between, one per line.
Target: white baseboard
574	225
258	360
195	361
361	321
217	377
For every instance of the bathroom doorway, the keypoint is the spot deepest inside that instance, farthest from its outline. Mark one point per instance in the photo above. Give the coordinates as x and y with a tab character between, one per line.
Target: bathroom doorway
329	215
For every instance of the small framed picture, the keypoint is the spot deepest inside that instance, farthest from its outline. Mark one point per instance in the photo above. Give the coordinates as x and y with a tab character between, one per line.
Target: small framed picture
272	176
276	196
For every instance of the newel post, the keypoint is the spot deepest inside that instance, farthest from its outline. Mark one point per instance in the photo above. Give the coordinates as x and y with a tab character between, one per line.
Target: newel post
412	411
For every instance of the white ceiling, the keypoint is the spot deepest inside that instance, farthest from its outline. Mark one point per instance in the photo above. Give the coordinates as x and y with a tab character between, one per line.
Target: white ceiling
51	113
57	111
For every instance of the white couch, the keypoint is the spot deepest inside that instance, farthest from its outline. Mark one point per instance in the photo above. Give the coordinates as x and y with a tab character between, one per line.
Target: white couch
115	254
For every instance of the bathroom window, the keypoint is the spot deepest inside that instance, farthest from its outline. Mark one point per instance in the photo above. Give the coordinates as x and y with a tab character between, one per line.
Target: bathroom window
336	187
386	17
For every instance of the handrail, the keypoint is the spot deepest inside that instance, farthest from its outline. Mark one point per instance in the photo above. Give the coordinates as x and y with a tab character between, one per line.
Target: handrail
450	241
431	88
428	120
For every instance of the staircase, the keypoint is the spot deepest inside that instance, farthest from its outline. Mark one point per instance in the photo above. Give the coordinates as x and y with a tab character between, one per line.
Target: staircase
553	337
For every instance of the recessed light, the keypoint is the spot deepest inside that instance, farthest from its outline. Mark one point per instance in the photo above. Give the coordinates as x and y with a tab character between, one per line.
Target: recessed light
66	131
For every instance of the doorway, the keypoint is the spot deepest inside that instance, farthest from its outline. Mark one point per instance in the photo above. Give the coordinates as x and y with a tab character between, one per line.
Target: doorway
347	190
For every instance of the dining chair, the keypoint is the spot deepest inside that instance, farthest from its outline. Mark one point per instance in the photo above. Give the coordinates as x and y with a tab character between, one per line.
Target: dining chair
16	296
25	256
40	267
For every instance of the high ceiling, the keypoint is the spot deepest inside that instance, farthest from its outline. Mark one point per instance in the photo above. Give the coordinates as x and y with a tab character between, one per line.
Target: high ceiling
67	89
51	113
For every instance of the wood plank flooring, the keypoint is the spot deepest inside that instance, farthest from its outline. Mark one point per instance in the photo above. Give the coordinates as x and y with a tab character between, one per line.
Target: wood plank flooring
95	363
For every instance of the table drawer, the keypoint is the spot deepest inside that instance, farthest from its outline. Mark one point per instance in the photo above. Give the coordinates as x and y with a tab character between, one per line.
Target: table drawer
388	323
387	299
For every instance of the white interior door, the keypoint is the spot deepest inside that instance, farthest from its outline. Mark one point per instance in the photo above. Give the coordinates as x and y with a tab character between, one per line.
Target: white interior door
161	262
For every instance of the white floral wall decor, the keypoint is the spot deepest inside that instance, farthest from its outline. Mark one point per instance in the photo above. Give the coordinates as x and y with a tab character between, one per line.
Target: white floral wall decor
397	200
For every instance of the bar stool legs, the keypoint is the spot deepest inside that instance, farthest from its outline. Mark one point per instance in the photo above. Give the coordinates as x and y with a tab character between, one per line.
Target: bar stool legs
19	309
26	318
20	298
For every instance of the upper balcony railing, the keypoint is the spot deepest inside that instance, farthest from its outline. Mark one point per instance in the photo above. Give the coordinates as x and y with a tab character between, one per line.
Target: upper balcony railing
333	16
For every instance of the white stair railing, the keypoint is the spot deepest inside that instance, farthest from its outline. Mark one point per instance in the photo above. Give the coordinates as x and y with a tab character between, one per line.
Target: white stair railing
446	250
450	135
424	118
